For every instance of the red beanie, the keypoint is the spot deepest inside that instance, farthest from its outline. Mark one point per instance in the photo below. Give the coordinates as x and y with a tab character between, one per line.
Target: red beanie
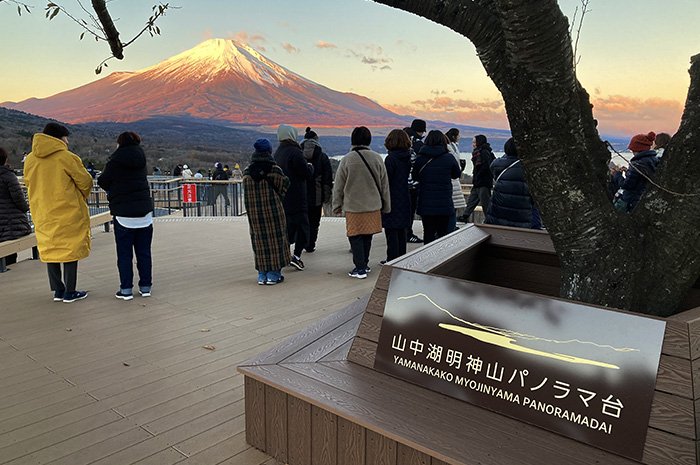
642	142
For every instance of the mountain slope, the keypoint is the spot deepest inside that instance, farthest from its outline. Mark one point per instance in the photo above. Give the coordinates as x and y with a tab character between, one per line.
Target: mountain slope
218	79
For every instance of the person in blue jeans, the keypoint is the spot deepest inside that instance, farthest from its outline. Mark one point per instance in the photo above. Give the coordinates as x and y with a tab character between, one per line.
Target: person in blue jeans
129	195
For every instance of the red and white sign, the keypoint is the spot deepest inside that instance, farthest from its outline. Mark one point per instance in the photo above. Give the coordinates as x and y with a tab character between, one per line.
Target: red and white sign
189	193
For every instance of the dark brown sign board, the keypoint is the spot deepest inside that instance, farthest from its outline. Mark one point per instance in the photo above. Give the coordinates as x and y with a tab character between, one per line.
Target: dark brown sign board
580	371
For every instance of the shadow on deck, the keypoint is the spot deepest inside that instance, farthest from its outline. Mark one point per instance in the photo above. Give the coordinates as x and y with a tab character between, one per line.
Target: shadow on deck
110	382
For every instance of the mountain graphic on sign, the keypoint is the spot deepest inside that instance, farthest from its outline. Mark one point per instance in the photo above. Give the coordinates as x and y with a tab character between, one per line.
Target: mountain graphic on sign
511	340
219	80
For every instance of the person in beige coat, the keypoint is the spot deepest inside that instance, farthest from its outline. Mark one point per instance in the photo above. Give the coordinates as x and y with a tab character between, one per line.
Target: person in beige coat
361	190
59	185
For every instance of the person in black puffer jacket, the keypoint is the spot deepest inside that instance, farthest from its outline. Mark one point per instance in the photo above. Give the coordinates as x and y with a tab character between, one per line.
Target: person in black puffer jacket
14	222
434	169
642	166
319	189
290	158
129	195
398	168
511	203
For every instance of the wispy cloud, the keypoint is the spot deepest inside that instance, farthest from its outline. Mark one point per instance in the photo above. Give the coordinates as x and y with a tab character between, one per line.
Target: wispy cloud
488	113
323	44
289	48
255	40
372	55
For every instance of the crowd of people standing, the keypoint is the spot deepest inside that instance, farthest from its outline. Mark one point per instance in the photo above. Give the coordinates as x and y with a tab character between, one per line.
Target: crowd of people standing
285	191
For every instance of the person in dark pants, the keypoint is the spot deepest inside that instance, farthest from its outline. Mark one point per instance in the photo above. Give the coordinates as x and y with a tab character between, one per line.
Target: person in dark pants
59	185
415	133
434	169
398	169
318	189
482	177
290	158
125	180
361	190
219	174
14	222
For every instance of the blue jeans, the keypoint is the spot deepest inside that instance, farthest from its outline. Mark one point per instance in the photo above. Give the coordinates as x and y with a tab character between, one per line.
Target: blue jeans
130	241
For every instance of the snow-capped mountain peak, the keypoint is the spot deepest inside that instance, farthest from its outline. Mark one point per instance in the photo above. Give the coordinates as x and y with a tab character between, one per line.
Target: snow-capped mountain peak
216	58
219	79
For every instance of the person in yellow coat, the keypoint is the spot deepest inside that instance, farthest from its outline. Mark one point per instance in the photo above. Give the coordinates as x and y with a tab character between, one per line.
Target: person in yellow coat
58	185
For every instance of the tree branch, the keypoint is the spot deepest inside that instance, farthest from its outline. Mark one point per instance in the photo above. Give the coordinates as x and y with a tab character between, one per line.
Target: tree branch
111	32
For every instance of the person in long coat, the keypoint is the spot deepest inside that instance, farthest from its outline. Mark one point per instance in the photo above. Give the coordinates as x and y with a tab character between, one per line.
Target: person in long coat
14	222
398	169
264	186
290	157
59	185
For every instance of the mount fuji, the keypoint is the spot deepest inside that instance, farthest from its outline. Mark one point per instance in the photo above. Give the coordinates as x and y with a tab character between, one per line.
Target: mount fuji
220	80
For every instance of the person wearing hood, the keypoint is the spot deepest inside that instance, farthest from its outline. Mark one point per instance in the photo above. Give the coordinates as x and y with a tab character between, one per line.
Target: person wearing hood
361	190
320	188
290	157
642	166
264	188
187	172
130	202
434	169
482	177
14	222
511	203
59	185
415	133
398	169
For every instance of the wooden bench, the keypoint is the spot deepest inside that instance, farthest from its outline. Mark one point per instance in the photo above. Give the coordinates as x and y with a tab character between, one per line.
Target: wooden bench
29	241
316	397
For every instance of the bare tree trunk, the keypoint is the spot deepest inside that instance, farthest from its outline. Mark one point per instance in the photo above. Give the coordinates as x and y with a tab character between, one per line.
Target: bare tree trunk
645	261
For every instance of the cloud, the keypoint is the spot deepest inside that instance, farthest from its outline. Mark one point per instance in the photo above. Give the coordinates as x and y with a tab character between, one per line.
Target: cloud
256	40
289	48
619	114
488	113
372	55
324	44
407	45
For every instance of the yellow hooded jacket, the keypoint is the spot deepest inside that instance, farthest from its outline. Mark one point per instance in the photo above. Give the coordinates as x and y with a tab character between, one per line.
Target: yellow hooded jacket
58	185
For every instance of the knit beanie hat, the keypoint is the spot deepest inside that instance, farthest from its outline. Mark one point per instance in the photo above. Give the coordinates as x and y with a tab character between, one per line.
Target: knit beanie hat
642	142
418	125
262	145
310	134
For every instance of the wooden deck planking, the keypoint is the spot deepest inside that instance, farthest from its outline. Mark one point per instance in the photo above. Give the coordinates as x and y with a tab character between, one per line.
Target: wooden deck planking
174	398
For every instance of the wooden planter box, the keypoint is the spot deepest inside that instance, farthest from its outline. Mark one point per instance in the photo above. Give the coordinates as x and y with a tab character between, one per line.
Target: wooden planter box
316	398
